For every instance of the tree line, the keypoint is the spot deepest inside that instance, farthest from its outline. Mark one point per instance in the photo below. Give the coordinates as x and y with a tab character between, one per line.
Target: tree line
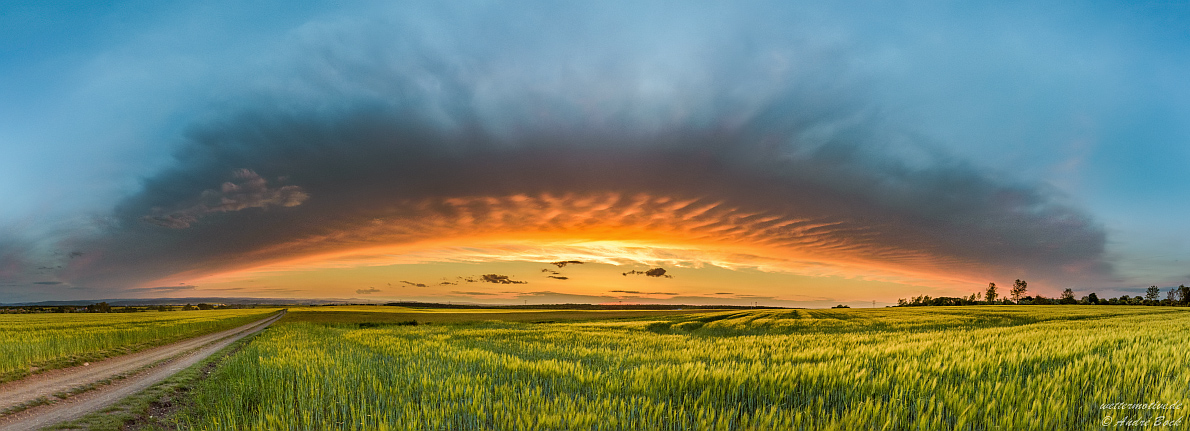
104	307
1018	295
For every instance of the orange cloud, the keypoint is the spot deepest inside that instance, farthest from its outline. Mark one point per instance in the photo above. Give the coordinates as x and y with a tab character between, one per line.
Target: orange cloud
608	227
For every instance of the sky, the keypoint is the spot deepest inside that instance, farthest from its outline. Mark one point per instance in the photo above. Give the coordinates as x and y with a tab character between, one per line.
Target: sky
775	153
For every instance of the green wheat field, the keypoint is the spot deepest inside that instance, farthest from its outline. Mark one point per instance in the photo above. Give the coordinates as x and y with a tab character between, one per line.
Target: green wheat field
30	342
919	368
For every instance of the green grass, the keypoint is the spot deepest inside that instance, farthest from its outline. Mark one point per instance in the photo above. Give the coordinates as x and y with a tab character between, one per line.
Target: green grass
52	340
355	315
965	368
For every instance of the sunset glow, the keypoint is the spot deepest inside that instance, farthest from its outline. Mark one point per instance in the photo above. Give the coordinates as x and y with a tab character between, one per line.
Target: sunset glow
777	153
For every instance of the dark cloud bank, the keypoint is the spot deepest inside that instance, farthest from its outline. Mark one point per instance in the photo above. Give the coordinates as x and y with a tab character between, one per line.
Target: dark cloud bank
378	117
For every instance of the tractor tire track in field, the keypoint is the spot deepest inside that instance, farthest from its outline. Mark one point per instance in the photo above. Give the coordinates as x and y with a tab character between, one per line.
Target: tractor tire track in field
169	359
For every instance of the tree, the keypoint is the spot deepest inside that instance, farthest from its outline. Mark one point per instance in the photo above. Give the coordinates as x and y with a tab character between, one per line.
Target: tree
1153	293
203	306
1093	298
1018	289
188	307
101	307
1067	297
1183	294
990	294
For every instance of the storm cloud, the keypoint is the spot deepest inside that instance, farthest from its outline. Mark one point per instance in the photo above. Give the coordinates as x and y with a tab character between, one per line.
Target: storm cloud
392	133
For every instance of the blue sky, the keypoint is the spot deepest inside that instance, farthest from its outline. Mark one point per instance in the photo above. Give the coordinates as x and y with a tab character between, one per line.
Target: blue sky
1083	106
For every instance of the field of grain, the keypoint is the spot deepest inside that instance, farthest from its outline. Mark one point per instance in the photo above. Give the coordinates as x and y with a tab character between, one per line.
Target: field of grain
382	315
936	368
59	339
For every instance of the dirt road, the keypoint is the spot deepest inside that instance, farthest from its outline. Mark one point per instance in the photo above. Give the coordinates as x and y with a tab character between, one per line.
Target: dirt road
177	356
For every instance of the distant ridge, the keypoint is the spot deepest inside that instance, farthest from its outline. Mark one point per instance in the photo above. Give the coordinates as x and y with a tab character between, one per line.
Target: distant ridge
123	302
414	304
183	301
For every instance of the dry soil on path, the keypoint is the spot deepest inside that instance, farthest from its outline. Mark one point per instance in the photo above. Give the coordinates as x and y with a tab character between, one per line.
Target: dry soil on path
150	367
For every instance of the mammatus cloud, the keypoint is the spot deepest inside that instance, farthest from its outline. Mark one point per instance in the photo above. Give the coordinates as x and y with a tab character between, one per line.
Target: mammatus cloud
368	291
655	272
245	190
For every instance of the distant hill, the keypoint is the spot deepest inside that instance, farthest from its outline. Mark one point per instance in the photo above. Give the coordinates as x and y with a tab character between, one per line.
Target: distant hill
412	304
295	301
183	301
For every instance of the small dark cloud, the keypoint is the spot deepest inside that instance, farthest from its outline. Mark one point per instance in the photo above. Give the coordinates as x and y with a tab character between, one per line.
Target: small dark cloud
48	283
563	263
754	297
164	288
550	271
724	293
501	279
559	297
448	283
413	284
559	277
245	190
367	291
637	292
459	292
75	254
655	272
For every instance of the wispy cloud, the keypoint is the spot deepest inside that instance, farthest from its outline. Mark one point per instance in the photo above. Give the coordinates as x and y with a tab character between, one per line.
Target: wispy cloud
162	289
637	292
472	293
246	190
